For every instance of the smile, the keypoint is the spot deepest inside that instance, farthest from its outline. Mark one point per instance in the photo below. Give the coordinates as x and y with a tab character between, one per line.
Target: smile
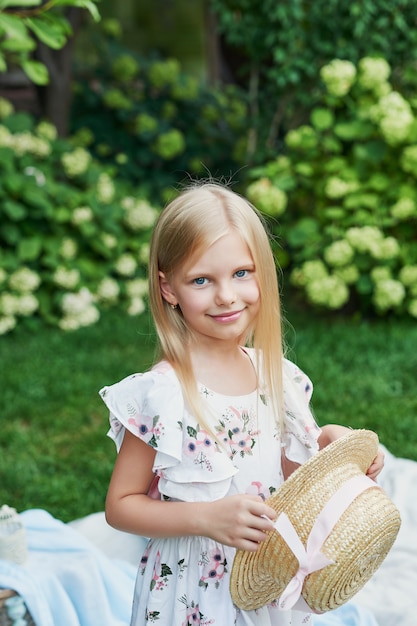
225	318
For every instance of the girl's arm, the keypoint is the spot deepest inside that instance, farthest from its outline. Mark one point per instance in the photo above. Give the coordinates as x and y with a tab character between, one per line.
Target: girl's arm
235	520
331	432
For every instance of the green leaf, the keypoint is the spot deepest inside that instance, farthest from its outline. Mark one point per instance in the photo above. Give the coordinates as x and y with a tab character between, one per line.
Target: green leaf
19	3
47	31
14	210
91	7
3	64
13	26
18	45
29	249
36	71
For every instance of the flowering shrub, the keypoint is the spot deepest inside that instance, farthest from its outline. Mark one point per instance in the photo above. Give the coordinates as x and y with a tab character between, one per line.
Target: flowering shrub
348	194
156	123
73	239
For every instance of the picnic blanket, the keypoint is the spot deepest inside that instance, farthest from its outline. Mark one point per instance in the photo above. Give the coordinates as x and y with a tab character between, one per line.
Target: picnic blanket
83	573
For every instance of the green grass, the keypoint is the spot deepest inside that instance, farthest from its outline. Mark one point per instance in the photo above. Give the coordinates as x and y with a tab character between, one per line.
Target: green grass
54	453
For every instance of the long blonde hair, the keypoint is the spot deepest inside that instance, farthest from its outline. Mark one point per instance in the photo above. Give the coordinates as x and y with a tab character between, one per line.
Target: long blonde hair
190	224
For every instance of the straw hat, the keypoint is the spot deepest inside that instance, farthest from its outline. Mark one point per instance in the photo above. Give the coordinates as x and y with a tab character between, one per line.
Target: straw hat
339	523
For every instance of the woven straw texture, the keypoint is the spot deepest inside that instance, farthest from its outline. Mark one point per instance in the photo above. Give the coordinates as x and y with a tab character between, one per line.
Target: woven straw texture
6	613
357	545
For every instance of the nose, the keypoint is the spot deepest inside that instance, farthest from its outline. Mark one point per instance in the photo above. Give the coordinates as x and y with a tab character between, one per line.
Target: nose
225	293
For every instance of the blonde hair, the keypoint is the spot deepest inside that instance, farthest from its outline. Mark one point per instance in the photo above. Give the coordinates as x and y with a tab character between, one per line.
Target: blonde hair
190	224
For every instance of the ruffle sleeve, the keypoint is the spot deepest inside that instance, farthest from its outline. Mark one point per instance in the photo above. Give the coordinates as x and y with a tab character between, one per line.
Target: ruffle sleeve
300	439
150	405
188	463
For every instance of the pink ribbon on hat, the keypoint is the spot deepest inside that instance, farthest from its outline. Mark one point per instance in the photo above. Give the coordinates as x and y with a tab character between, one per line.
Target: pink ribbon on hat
311	559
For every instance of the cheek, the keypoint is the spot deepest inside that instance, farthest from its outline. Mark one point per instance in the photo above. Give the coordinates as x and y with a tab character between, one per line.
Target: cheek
252	293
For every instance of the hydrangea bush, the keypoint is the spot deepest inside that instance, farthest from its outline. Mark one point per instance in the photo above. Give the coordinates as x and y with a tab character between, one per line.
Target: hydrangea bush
154	121
345	193
73	239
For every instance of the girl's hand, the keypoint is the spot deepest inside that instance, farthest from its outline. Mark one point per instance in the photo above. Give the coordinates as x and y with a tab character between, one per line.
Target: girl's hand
331	432
238	521
376	466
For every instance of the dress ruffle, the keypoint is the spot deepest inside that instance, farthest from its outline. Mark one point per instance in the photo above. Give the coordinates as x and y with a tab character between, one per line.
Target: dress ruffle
189	462
300	439
151	407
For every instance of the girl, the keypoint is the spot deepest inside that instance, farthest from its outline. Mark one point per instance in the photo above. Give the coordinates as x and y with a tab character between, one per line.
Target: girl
204	436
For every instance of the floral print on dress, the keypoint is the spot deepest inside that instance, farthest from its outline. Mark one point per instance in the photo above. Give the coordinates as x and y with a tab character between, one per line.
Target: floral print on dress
149	428
199	446
184	581
193	616
235	431
214	565
161	571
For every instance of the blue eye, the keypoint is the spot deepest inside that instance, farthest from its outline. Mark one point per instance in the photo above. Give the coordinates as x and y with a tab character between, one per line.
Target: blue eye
199	281
241	273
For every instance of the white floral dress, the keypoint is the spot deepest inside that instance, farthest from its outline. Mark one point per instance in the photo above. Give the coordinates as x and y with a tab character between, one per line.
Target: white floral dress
184	581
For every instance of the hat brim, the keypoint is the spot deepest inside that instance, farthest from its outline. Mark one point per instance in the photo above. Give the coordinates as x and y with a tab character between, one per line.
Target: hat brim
357	545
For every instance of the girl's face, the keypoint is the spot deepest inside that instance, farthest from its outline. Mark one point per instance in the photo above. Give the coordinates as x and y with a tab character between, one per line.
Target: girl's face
217	292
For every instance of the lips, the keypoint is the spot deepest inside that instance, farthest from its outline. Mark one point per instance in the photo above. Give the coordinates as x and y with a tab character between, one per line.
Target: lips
232	316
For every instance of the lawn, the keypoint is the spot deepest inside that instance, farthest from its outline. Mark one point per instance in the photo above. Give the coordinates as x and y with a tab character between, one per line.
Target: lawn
54	453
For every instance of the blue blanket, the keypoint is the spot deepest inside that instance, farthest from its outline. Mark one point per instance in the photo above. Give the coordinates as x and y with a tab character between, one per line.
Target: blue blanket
69	581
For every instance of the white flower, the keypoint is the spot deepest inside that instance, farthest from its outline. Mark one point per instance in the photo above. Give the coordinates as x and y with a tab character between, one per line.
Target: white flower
364	238
339	76
79	310
75	303
373	72
105	189
69	248
24	280
81	215
308	272
380	273
388	248
394	116
339	253
388	294
108	289
137	287
26	304
408	275
329	291
8	304
404	208
139	214
7	323
126	265
66	278
337	187
268	198
47	130
136	307
76	162
109	241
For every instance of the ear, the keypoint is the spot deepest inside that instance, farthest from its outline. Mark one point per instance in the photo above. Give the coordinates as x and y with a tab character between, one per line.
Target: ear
166	290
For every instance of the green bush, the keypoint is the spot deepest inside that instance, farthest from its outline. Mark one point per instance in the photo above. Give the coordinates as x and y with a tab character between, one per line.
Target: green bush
73	238
156	123
278	48
346	194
